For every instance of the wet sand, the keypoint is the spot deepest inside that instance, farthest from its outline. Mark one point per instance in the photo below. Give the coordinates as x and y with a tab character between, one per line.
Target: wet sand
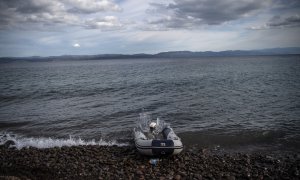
112	162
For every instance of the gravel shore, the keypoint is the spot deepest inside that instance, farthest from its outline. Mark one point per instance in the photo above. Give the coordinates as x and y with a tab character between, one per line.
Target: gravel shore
112	162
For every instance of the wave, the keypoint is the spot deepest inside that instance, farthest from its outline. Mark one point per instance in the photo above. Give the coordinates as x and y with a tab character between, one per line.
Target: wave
44	142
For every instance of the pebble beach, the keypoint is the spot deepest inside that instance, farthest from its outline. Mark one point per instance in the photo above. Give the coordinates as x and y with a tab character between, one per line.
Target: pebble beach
113	162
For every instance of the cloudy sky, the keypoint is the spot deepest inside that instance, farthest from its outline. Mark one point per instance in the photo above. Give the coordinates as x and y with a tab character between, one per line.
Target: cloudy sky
59	27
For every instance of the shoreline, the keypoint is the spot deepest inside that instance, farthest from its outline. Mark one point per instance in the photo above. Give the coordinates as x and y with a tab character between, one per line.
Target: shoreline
113	162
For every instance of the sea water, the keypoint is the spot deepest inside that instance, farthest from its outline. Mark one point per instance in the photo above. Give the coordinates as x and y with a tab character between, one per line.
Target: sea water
235	102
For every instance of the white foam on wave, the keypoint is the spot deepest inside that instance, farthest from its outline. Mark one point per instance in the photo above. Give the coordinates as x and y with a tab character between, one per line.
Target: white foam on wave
42	142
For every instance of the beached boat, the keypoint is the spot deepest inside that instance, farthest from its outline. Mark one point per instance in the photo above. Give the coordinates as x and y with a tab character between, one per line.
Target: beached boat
155	138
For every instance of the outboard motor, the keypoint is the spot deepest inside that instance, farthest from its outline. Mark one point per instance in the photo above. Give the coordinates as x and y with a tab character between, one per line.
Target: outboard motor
166	132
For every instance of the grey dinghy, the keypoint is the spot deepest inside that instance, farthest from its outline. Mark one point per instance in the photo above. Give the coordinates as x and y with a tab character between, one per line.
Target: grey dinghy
162	141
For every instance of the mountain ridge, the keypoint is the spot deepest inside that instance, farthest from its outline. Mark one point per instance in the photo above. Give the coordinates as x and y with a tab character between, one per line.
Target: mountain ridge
168	54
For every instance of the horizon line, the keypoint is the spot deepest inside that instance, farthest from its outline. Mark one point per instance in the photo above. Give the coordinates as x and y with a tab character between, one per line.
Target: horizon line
157	53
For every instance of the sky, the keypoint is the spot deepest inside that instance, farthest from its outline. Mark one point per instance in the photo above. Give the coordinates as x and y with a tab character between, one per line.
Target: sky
86	27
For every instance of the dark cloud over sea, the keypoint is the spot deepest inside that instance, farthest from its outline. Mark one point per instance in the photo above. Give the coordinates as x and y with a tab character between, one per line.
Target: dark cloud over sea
194	13
148	26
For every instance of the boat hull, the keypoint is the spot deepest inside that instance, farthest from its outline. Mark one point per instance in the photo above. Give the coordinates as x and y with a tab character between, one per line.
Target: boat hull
157	147
158	141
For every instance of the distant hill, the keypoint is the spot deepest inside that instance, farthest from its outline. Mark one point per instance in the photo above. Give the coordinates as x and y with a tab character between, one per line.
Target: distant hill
273	51
170	54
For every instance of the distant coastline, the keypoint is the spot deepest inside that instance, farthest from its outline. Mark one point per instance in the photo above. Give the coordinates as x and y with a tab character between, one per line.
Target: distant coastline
169	54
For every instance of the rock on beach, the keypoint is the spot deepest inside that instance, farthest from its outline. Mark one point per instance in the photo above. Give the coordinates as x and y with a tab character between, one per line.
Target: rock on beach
111	162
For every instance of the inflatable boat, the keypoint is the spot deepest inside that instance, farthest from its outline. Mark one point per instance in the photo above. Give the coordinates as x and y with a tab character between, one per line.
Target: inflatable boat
155	138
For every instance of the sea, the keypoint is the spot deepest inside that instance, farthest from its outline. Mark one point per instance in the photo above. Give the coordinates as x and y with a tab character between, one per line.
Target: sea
247	103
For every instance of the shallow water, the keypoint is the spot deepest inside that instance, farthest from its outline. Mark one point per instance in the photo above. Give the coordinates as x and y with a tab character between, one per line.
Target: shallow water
250	102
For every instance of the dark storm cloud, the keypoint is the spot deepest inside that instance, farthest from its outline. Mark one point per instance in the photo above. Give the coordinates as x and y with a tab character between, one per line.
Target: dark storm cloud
287	4
291	21
93	6
193	13
29	6
210	12
214	11
22	13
